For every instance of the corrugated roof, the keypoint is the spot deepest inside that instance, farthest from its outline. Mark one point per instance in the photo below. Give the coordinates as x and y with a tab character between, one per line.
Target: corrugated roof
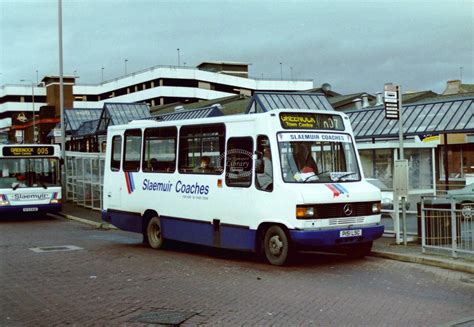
267	101
433	117
206	112
231	105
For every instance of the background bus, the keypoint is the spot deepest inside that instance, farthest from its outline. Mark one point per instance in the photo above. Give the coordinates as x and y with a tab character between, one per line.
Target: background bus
29	179
268	182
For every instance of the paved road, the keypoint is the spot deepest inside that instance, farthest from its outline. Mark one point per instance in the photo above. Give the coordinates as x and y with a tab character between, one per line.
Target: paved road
116	280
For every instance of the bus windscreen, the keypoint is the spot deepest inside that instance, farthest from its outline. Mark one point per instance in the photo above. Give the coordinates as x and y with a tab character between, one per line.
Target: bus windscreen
29	172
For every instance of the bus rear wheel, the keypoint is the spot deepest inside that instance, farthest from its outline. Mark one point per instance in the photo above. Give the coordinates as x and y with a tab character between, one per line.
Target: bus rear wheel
153	233
276	245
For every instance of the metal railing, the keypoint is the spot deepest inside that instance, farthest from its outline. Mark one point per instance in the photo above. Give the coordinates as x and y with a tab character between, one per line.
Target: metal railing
85	176
447	224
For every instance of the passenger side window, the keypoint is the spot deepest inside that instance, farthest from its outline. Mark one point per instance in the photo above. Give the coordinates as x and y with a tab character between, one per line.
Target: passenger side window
116	153
264	165
239	162
201	149
132	150
159	150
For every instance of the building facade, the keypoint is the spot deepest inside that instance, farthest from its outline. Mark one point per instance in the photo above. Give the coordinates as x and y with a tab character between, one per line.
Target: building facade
155	86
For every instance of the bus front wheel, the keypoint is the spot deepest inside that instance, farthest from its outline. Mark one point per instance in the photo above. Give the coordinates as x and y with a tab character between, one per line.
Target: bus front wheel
153	233
276	245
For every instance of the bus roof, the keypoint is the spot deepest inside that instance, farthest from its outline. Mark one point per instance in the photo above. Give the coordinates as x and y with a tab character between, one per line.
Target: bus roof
222	119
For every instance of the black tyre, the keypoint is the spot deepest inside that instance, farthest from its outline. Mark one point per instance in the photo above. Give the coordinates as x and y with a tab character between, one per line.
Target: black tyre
359	250
276	245
153	233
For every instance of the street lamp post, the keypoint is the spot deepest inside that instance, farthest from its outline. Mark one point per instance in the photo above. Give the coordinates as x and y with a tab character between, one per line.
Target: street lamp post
125	62
281	70
102	69
178	57
35	137
61	96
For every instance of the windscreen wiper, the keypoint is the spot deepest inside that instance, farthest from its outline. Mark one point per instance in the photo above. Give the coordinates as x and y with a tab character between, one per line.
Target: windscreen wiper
345	175
307	178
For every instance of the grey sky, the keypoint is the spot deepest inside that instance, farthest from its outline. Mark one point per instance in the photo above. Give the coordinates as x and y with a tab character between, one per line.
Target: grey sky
353	45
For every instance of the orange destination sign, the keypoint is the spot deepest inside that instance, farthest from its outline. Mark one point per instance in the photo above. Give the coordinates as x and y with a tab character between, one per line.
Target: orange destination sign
311	121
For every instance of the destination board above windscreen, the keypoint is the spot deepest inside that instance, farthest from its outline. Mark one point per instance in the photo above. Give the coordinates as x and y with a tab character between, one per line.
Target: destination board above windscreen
296	120
27	151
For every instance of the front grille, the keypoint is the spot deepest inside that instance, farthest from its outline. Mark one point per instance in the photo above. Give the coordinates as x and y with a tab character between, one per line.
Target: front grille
346	221
325	211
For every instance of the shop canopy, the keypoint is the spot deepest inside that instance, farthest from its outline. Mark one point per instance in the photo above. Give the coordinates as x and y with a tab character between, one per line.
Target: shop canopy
455	115
87	128
76	116
267	101
121	113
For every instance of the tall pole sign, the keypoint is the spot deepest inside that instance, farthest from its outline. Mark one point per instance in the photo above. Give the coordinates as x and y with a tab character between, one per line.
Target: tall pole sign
392	101
393	110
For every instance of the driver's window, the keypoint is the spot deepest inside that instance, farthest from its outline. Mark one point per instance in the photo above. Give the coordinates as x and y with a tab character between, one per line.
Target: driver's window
264	165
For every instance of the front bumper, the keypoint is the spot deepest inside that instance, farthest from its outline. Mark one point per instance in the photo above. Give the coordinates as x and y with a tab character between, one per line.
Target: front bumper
331	237
31	209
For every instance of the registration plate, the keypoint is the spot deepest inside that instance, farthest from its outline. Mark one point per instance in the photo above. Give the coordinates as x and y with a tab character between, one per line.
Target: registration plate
350	233
30	209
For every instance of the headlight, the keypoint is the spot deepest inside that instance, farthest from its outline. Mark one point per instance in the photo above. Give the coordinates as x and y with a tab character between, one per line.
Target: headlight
53	201
376	207
305	212
3	200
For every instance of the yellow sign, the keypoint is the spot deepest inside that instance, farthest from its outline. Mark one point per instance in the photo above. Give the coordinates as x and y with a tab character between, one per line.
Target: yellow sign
311	121
27	151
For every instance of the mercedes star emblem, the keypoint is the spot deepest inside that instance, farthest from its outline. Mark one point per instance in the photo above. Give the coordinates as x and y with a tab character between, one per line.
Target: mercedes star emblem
347	210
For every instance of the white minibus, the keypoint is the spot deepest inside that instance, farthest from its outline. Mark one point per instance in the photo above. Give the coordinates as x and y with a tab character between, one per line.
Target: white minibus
29	179
270	182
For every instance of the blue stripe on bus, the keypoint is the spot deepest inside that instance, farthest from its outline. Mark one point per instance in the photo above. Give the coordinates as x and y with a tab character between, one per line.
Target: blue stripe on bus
132	182
332	237
341	188
186	230
127	221
232	236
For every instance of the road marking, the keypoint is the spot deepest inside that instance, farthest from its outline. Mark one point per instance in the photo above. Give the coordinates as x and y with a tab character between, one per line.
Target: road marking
55	248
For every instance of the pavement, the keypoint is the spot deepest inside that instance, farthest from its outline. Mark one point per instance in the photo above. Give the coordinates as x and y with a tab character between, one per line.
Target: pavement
384	247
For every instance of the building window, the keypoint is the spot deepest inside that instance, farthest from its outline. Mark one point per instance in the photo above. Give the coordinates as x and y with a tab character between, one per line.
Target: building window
420	168
132	150
377	163
460	162
159	150
201	149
